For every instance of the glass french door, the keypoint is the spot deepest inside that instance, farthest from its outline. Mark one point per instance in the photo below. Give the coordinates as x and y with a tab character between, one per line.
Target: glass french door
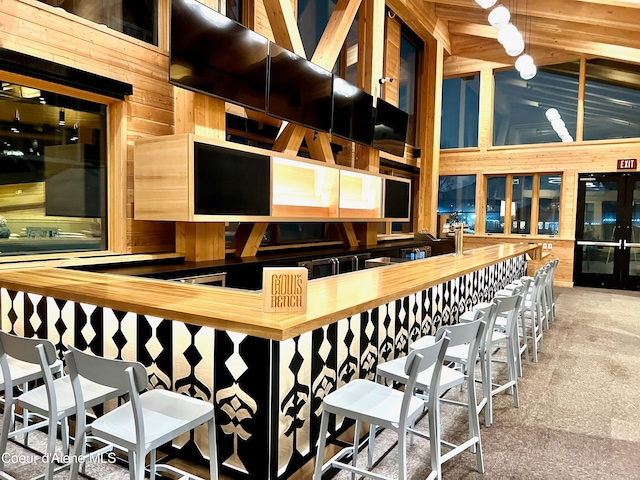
607	252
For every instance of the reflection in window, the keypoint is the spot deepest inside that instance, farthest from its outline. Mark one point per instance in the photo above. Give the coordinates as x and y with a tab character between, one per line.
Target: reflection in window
612	100
460	106
313	16
408	80
496	189
457	195
522	192
234	10
549	204
52	172
520	105
136	18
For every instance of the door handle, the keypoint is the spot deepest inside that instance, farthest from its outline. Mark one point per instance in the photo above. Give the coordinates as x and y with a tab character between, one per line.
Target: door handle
600	244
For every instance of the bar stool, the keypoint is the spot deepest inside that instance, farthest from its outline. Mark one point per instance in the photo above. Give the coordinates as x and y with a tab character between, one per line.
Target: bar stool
146	422
20	363
370	402
465	337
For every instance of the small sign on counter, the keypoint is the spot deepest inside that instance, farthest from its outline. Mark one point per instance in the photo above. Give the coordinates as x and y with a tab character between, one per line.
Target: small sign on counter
284	289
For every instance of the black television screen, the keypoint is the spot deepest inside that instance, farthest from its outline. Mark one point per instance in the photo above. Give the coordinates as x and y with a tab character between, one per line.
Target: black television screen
212	54
230	182
352	112
299	91
396	198
390	128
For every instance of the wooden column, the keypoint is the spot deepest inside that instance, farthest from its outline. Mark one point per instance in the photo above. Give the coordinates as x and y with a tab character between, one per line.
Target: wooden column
118	178
202	115
429	124
485	110
581	87
481	203
370	69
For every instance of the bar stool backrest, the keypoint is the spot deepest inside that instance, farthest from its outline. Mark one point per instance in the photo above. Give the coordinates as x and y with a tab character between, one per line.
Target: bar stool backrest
105	371
24	349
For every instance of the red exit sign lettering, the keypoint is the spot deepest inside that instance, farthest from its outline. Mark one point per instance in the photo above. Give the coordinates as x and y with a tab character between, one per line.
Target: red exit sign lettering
627	163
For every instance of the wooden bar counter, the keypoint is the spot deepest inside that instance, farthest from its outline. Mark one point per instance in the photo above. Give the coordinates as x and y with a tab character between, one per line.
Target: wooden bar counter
265	373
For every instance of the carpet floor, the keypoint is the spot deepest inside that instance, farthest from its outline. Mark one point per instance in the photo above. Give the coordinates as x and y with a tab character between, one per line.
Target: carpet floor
579	415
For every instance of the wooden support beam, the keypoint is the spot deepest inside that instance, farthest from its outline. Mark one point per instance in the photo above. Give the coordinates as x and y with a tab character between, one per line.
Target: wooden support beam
429	123
199	114
485	110
581	90
422	19
284	25
390	90
325	56
366	233
199	241
248	238
347	234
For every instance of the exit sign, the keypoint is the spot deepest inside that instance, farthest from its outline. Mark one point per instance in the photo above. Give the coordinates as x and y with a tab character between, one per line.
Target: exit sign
627	163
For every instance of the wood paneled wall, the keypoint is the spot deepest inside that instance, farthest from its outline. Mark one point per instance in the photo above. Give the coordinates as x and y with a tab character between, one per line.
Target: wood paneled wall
37	29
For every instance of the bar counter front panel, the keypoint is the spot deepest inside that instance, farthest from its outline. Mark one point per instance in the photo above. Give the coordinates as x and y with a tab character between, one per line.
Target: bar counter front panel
267	393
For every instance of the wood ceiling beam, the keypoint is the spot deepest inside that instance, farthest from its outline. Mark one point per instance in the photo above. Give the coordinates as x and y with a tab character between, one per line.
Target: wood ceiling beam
421	18
598	12
325	56
585	43
284	25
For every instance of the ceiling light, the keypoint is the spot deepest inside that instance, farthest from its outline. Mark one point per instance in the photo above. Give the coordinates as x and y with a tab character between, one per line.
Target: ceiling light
528	72
499	16
523	61
486	3
515	47
508	33
552	114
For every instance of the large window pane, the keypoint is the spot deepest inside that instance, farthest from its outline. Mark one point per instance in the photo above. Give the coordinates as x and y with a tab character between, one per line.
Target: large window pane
522	192
457	196
520	105
612	100
52	172
408	80
496	195
460	105
136	18
549	204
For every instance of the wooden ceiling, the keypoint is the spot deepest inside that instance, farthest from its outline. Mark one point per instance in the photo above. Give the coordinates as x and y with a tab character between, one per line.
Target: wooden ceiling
555	31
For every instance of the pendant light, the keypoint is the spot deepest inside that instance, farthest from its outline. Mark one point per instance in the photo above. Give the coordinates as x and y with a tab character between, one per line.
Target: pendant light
499	16
486	3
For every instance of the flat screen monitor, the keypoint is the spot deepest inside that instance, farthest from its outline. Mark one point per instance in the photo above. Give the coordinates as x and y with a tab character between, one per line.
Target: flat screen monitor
390	128
230	182
396	198
210	53
352	112
299	90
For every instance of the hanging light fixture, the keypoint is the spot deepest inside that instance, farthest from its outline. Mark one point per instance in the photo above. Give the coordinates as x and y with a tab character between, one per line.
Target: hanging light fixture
486	3
499	16
508	34
525	64
61	120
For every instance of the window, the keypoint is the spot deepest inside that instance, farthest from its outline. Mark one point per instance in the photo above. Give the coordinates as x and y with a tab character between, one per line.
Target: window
460	106
520	105
52	172
522	192
496	206
612	100
549	205
457	196
136	18
408	99
531	206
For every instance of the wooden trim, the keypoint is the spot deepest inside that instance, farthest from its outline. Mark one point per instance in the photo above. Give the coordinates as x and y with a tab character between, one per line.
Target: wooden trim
582	79
535	204
481	203
117	177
